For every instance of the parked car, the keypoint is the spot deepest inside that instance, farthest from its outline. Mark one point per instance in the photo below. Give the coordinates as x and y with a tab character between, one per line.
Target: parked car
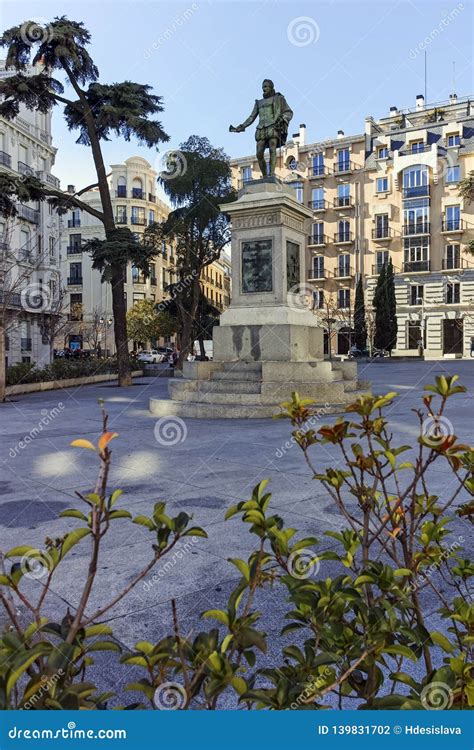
152	356
355	353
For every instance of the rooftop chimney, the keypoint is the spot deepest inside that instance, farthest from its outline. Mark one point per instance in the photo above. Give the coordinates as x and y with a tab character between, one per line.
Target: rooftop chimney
394	110
340	134
420	101
71	189
302	134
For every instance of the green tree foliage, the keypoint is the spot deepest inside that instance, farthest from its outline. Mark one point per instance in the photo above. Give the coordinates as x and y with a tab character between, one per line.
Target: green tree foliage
466	191
145	323
97	112
384	304
198	182
360	328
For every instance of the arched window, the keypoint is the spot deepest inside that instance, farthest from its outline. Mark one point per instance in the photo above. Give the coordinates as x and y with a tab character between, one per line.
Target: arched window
415	181
122	187
137	188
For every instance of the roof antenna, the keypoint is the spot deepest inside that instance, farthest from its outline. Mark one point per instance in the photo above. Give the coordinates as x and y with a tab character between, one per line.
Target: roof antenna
454	76
426	80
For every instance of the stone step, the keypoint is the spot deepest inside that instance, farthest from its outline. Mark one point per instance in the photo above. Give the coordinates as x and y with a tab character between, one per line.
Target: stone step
230	386
251	375
198	410
243	366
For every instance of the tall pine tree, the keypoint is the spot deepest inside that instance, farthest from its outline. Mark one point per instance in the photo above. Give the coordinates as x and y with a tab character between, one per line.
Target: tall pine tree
381	311
391	307
360	328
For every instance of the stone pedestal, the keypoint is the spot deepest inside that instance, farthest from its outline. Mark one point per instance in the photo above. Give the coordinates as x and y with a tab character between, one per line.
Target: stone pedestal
267	343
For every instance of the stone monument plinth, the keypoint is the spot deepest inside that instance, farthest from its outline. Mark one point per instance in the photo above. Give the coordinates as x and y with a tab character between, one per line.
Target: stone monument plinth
268	343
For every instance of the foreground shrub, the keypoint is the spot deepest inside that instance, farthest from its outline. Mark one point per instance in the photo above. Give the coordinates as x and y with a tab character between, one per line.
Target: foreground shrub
354	634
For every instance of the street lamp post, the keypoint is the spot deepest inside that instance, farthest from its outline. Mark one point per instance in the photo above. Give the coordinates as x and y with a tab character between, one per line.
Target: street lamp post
106	322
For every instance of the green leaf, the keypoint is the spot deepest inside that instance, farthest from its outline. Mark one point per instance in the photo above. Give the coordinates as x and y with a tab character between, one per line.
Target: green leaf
72	539
399	650
217	614
20	551
119	514
440	640
242	566
402	572
144	521
93	630
195	531
104	646
73	513
239	684
114	497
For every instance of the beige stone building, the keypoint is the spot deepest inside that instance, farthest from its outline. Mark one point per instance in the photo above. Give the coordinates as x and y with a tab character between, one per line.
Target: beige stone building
389	192
89	301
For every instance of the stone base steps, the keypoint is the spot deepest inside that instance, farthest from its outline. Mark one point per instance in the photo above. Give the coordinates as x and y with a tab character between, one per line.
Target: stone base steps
203	410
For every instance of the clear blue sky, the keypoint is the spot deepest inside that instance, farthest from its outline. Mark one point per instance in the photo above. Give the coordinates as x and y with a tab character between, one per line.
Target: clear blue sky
208	63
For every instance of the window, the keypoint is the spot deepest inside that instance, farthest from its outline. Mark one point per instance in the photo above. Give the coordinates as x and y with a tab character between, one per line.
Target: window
153	274
75	272
344	299
344	195
138	215
343	160
52	243
318	233
382	184
344	265
138	277
416	251
413	335
417	147
453	139
137	188
416	294
25	243
382	152
453	174
75	220
298	188
453	293
121	187
453	218
416	217
415	181
317	198
151	216
121	214
75	307
75	241
343	231
293	164
453	256
318	165
246	174
318	299
382	258
318	267
381	226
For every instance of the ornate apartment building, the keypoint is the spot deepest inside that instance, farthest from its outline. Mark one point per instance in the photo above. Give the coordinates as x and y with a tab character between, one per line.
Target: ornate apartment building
136	205
390	192
29	241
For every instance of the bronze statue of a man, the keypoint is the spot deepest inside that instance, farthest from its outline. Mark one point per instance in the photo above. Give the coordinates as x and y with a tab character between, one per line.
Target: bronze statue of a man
274	117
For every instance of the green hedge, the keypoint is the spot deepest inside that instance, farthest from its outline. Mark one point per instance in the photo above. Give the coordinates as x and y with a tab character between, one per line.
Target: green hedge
59	369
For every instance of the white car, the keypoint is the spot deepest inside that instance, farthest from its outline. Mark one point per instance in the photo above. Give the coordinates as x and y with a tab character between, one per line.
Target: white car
151	357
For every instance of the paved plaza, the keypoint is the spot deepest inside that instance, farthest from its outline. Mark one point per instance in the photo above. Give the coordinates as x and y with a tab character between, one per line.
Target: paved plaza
213	465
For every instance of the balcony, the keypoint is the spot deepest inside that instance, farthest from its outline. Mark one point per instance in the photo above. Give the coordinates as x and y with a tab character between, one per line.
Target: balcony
320	171
25	345
74	280
5	159
76	222
121	191
138	194
455	264
418	227
25	169
151	198
343	272
416	148
452	225
418	191
10	299
74	249
317	240
317	274
27	213
50	179
139	220
343	167
320	205
416	266
121	219
381	233
343	238
377	269
344	201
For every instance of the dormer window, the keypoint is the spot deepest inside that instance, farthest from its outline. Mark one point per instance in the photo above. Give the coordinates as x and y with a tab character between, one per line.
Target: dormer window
453	139
382	152
417	147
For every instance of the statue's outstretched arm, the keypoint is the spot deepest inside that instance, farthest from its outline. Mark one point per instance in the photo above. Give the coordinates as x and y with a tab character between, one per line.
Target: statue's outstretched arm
250	119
